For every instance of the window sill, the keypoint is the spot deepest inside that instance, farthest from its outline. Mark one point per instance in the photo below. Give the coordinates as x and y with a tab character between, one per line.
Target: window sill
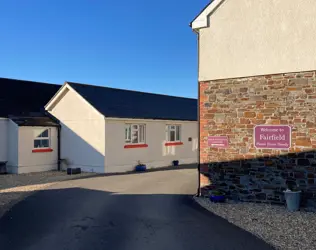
136	146
42	150
168	144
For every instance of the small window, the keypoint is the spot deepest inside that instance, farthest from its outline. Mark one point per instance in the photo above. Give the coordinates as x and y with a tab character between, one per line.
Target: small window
174	133
135	133
42	138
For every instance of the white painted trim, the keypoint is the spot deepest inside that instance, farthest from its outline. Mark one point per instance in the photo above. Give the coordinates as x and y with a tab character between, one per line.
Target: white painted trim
55	97
168	133
49	138
201	20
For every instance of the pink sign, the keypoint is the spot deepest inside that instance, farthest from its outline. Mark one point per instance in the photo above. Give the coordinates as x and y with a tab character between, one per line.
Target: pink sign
272	137
218	141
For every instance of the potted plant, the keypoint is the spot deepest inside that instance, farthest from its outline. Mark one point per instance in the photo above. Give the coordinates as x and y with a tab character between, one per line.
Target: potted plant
292	197
140	167
217	196
175	163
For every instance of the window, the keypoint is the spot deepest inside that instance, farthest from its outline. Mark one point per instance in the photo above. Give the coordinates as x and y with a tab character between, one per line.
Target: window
42	138
173	133
135	133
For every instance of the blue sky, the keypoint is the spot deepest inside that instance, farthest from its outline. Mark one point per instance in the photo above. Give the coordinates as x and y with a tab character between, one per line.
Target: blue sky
144	45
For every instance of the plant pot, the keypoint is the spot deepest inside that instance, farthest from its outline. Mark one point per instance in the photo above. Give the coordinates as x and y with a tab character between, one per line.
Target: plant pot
71	171
293	200
175	163
217	198
140	168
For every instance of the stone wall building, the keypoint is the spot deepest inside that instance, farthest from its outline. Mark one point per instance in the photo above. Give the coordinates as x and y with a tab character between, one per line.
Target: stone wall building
257	62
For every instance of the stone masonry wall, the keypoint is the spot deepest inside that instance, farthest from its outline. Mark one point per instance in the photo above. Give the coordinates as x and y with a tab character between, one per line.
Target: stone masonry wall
232	108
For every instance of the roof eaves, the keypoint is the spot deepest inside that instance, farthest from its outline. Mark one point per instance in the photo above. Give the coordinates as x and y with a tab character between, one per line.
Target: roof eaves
201	20
200	13
51	101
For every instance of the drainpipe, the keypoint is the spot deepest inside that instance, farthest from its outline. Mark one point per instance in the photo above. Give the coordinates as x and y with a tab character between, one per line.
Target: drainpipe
58	150
199	132
58	138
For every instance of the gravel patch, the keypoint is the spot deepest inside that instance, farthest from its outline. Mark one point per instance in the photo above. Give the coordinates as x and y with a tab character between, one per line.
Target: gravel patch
14	188
272	223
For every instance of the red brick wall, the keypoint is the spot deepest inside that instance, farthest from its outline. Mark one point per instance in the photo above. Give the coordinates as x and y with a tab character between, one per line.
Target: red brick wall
232	107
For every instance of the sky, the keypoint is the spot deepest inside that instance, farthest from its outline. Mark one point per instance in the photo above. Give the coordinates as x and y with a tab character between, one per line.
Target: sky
144	45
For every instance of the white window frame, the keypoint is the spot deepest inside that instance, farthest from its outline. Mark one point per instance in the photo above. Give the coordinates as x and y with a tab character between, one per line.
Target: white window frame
36	138
130	128
173	127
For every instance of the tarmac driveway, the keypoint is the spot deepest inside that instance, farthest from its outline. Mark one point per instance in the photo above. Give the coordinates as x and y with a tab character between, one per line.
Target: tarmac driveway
148	211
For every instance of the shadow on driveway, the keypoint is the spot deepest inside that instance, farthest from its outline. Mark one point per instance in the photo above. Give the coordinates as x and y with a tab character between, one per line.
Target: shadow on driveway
77	218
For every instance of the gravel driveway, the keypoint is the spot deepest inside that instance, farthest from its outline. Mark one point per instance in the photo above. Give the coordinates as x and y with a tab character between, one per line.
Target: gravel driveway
14	188
274	224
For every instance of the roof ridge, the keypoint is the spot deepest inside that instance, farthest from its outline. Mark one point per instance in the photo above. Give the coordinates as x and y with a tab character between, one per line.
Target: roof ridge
134	91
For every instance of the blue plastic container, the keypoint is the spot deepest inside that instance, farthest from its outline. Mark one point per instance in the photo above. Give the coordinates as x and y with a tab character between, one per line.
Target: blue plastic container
140	168
293	200
217	198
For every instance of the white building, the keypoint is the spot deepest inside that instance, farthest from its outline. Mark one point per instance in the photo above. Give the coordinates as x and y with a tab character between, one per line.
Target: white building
28	144
108	130
28	138
102	130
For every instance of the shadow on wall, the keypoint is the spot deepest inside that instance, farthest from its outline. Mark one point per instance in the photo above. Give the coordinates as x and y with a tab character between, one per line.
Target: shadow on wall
262	179
65	218
77	152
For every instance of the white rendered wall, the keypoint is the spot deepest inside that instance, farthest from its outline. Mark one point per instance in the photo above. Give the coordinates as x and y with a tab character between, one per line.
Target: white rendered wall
82	133
156	155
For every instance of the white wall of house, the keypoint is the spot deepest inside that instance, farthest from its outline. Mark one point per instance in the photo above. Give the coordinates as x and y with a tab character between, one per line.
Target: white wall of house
13	147
4	139
82	132
120	159
247	38
29	161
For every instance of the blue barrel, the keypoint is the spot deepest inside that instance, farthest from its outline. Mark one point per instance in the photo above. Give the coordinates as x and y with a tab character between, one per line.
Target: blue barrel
293	200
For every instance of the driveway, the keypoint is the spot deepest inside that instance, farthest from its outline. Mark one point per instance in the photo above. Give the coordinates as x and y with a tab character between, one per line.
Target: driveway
148	211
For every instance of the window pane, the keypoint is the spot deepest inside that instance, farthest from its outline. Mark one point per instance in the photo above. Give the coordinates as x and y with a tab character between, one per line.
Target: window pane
142	133
135	136
128	133
178	138
37	143
172	127
41	143
44	133
172	135
45	143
